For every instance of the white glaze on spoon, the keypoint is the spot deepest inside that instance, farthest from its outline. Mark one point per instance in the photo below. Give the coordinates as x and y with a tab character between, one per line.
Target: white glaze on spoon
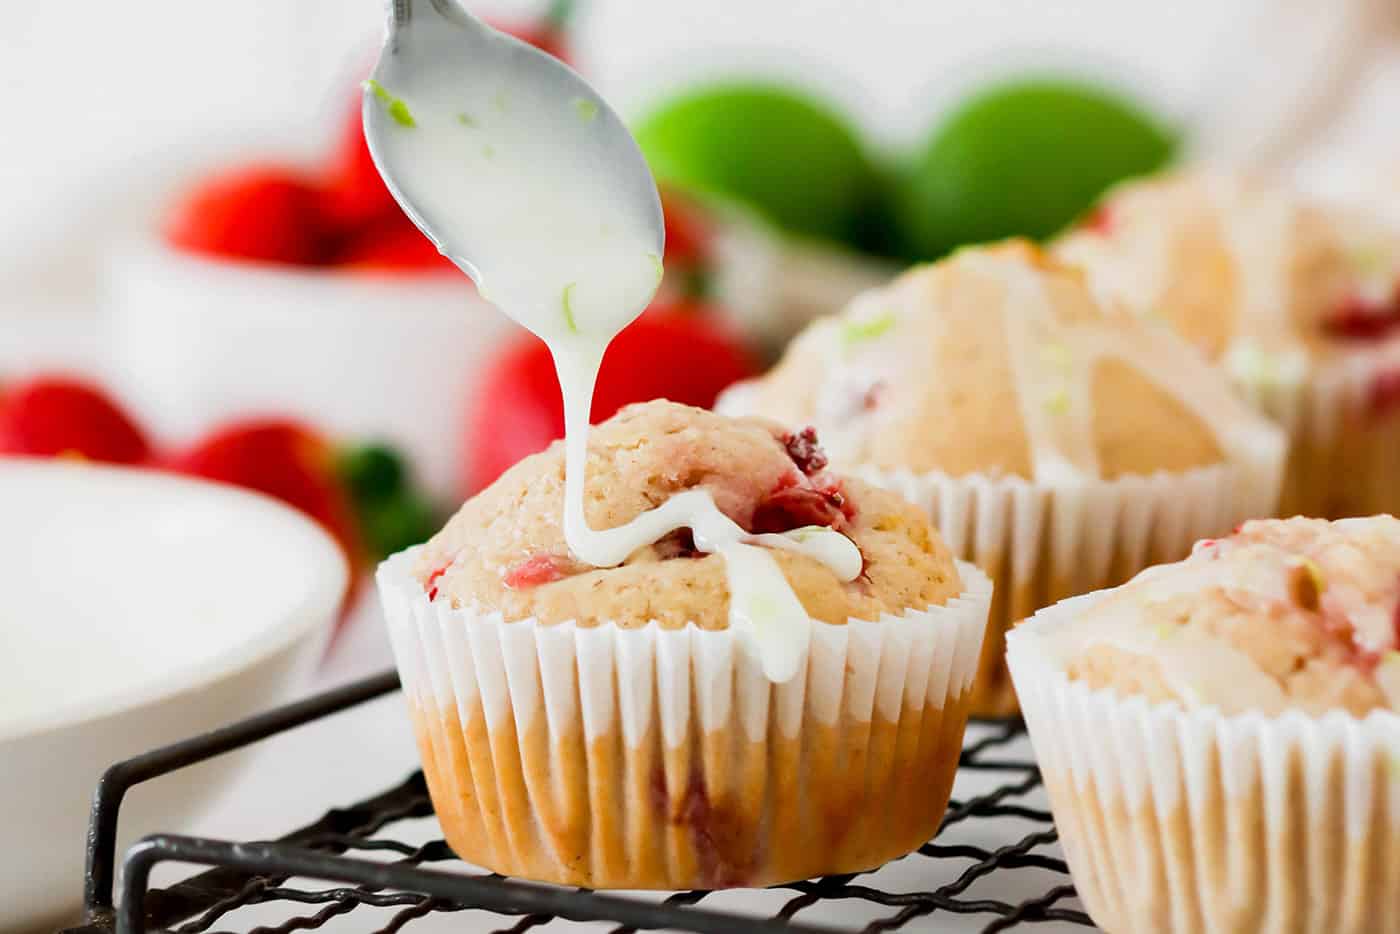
516	186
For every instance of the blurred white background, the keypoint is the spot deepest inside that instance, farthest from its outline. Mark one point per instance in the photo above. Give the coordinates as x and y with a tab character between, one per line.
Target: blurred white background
109	104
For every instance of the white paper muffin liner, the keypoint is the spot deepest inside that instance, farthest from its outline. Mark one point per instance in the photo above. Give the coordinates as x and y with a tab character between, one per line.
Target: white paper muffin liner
1344	440
1178	821
1042	543
645	757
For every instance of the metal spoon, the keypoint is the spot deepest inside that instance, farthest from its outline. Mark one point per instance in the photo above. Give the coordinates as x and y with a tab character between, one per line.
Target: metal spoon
435	44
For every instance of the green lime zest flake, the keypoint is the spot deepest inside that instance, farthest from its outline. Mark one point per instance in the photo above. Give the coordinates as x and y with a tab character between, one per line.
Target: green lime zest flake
568	301
501	101
1058	403
763	609
587	109
397	108
1192	694
804	534
488	151
466	119
1166	630
1056	354
857	332
1373	259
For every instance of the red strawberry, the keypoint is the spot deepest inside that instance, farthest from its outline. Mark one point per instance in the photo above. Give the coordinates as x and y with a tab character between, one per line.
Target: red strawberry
281	458
549	34
687	233
677	353
535	570
393	246
50	416
543	36
353	195
255	212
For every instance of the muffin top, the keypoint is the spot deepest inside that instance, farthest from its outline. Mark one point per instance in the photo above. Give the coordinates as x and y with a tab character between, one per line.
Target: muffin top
1254	275
505	550
1284	614
998	360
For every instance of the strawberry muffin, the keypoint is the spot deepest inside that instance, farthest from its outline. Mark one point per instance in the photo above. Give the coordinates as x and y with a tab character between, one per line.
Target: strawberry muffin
1220	737
1060	444
1298	304
606	727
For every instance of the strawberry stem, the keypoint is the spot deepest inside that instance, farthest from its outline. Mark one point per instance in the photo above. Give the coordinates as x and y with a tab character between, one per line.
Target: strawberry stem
559	14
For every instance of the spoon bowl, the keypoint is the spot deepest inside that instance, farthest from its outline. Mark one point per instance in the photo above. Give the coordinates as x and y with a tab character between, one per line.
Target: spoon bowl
461	119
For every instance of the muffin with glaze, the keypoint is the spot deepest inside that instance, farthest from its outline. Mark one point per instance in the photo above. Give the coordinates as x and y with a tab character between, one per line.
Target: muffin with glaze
1061	444
608	727
1220	737
1297	303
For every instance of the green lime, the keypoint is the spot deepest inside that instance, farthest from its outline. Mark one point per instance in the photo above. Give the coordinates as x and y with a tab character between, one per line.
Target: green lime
1023	158
789	157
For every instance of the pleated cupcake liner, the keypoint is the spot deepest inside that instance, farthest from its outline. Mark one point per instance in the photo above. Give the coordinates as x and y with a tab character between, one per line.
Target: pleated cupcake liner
616	756
1041	543
1179	821
1343	424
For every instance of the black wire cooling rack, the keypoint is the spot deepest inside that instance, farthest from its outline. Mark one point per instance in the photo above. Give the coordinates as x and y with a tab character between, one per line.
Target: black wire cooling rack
356	860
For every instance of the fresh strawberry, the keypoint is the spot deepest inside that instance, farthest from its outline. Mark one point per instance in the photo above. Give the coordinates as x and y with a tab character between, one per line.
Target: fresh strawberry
353	195
50	416
254	212
688	250
549	33
393	246
676	352
279	457
687	232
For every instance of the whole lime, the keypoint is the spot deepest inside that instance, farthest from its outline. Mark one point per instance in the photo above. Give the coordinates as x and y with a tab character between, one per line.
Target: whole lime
1023	158
772	148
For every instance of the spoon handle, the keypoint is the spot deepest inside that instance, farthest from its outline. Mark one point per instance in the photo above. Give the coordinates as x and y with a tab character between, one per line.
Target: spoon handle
401	11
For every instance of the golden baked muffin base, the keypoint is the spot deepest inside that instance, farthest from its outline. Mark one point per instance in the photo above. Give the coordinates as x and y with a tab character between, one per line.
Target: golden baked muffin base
1350	469
1262	860
646	757
718	812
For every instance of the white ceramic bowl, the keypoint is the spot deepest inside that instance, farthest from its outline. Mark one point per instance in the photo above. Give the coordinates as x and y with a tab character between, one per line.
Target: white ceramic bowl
196	341
136	609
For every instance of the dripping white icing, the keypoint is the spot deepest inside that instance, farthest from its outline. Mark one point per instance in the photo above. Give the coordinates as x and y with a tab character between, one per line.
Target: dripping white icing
1205	668
519	194
1053	364
1260	236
